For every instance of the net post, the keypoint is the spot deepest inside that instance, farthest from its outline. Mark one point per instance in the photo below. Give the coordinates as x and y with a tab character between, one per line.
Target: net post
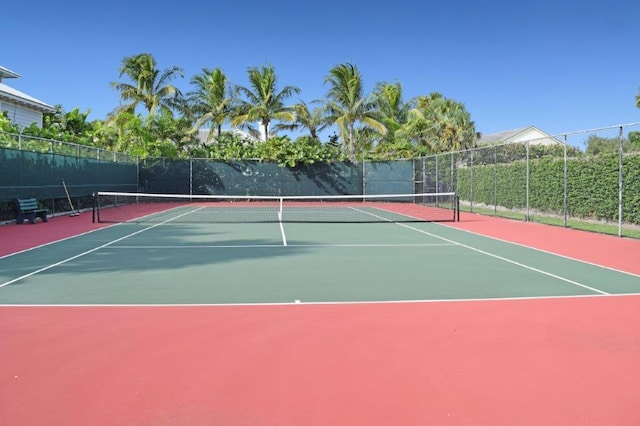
93	210
456	209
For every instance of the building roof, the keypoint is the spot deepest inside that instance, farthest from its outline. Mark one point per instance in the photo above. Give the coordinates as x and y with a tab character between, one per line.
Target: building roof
203	134
501	137
530	133
15	96
7	73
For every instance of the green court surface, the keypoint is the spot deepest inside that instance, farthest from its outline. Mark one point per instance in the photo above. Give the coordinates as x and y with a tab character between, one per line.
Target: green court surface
238	263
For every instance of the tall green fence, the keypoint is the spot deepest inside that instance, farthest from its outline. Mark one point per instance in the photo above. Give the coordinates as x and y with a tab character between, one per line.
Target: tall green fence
203	176
25	174
518	180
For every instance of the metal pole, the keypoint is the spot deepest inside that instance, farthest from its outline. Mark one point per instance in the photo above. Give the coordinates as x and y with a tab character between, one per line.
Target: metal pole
495	180
526	214
364	177
564	185
620	162
424	175
437	176
190	176
453	188
471	184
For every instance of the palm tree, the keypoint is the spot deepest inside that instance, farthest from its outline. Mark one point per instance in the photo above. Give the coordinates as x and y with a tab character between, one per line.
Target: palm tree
440	124
211	101
314	120
150	86
392	110
263	102
347	105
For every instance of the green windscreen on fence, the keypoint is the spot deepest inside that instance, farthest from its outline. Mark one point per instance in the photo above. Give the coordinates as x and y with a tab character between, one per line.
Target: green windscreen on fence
25	174
211	177
202	177
388	177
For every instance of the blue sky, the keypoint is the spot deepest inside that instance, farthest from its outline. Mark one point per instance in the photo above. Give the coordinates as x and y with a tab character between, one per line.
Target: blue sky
560	65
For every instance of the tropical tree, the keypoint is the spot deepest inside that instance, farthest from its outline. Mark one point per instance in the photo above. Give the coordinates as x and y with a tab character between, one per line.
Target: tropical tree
440	124
211	101
262	101
346	105
150	86
314	120
392	110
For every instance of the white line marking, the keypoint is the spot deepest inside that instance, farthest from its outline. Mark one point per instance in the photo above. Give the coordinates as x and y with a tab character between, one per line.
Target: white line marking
57	241
53	265
541	250
284	236
486	253
356	302
522	265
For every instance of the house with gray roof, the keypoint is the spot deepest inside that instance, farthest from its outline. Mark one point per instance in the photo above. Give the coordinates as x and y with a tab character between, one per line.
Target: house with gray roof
531	134
22	109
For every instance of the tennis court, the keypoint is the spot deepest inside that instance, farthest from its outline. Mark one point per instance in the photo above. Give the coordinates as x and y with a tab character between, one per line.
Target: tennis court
171	317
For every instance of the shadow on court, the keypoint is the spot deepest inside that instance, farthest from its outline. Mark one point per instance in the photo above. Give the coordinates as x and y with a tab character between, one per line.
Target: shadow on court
135	248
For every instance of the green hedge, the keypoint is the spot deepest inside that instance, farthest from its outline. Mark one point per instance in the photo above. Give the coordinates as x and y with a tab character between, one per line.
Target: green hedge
592	186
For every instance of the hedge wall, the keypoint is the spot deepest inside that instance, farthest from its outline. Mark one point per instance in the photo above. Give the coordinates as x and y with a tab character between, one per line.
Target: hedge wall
592	186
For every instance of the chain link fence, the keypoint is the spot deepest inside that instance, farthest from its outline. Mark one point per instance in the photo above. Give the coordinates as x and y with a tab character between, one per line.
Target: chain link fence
581	179
548	180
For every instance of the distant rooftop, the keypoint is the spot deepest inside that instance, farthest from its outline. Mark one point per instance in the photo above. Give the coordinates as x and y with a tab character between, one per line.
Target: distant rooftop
17	97
530	133
501	137
203	134
7	73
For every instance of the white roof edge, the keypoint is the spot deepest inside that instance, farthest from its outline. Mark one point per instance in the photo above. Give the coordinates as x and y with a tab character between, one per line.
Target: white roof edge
18	97
7	73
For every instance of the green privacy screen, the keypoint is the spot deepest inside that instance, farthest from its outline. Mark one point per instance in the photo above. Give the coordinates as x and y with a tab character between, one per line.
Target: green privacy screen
25	174
388	177
202	177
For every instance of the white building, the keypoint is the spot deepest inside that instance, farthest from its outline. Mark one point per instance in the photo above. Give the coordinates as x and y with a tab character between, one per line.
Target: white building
531	134
22	109
203	135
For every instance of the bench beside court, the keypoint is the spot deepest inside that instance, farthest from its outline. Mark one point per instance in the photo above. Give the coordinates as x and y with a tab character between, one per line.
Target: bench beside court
28	209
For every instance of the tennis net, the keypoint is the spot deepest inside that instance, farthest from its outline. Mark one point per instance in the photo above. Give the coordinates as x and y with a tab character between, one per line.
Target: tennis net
174	208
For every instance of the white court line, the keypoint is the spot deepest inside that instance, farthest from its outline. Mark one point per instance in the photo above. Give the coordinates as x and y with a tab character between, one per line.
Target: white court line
354	302
284	236
486	253
541	250
57	241
53	265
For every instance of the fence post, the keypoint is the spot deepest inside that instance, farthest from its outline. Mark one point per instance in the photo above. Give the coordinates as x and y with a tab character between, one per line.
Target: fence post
453	186
364	177
471	184
437	176
564	185
620	162
190	175
526	213
495	180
